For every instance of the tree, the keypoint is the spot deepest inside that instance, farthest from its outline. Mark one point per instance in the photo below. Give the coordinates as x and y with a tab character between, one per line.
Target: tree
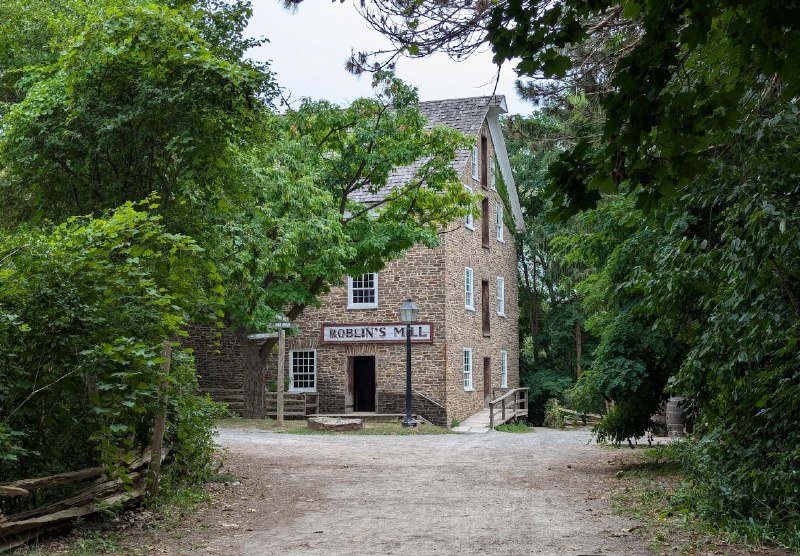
550	307
137	103
322	208
150	98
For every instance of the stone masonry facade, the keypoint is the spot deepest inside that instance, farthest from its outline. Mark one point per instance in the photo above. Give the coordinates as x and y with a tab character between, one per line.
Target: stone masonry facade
435	279
464	248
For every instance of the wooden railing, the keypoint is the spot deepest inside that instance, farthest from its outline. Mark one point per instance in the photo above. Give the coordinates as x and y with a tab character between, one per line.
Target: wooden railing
512	404
295	404
233	397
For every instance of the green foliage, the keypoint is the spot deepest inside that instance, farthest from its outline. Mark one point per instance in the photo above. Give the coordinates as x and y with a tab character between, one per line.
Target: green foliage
547	384
315	211
553	417
550	307
84	308
698	292
543	383
190	426
721	490
741	265
136	102
587	394
632	361
665	95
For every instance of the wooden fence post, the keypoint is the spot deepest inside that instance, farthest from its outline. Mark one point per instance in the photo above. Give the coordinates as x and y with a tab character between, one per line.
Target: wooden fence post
281	356
159	424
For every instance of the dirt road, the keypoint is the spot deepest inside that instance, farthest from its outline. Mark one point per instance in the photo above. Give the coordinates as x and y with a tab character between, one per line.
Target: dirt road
494	493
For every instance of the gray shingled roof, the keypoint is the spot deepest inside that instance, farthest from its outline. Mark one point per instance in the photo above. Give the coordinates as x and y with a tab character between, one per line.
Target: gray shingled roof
464	114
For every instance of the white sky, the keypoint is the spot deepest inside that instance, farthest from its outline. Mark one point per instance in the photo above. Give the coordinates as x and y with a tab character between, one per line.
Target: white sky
308	49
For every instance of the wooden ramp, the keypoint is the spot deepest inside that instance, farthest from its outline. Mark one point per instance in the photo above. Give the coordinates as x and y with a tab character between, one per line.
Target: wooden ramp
510	405
477	423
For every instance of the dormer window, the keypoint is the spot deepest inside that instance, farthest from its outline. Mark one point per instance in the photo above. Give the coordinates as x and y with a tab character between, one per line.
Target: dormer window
362	291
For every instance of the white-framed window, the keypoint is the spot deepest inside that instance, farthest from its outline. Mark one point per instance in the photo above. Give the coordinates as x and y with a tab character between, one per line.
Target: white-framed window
475	162
503	369
467	368
492	178
362	291
501	296
303	370
498	217
469	289
469	220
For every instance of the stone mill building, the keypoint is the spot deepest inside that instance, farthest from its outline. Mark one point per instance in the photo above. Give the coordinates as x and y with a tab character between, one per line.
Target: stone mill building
351	351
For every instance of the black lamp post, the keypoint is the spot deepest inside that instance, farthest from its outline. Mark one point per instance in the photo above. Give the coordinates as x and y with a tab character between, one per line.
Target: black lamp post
408	315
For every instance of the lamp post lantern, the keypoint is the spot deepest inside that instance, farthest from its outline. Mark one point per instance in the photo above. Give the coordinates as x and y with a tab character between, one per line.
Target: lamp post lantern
408	315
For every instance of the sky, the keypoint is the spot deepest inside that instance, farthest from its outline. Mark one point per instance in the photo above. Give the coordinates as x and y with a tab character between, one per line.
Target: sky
308	48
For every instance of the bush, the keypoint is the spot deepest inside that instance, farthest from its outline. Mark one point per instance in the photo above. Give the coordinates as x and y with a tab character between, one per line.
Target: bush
190	430
84	310
553	417
740	487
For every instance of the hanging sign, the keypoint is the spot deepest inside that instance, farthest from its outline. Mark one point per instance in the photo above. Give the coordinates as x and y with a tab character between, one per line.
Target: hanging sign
388	333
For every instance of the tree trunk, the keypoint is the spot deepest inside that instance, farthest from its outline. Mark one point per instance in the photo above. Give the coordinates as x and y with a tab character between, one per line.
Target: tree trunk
578	346
254	362
532	302
528	296
537	314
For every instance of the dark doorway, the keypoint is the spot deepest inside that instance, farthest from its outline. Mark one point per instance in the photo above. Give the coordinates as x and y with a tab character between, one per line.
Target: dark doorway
364	383
487	380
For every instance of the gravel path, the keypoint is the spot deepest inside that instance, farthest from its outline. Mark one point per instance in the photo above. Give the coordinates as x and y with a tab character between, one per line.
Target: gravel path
497	493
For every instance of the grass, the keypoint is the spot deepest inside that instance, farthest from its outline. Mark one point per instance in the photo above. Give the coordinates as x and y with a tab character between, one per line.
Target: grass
93	544
299	427
514	427
650	483
174	505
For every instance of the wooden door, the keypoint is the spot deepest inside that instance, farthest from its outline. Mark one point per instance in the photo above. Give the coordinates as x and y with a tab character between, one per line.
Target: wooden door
485	222
484	162
348	392
485	312
487	380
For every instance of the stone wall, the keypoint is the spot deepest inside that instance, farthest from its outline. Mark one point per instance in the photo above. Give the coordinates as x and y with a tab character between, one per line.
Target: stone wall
419	276
218	356
463	248
395	402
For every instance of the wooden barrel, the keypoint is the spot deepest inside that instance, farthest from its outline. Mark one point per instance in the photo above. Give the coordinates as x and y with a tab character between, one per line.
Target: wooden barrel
675	425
